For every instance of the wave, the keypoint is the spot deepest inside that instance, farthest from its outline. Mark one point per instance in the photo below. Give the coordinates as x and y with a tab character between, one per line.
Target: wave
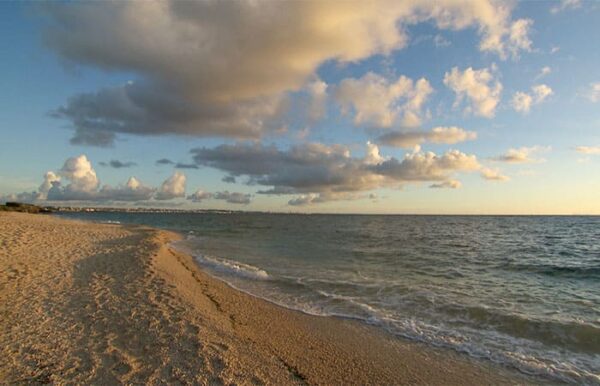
556	270
232	267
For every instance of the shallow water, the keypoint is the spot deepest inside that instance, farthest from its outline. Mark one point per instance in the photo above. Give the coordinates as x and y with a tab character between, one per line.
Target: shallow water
523	291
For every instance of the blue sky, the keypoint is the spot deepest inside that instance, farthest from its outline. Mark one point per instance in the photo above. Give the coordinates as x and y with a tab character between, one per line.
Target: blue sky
295	104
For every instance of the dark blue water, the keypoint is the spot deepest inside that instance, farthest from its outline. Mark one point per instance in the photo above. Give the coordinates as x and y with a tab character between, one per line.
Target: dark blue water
522	291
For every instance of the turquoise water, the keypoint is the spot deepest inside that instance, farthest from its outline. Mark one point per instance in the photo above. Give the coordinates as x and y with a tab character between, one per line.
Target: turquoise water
521	291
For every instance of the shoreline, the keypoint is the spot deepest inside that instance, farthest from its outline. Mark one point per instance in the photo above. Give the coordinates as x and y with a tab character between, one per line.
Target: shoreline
125	306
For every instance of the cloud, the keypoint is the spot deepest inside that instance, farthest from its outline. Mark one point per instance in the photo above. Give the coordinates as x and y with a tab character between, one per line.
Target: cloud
226	69
77	181
164	161
199	196
177	165
83	182
228	179
522	155
565	5
173	187
441	41
181	165
133	190
441	134
519	37
593	92
318	198
113	163
522	102
230	197
478	86
450	184
380	103
493	175
233	197
319	173
590	150
546	70
317	91
427	166
83	185
49	179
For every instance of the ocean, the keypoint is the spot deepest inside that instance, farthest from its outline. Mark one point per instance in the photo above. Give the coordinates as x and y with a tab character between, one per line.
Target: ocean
522	291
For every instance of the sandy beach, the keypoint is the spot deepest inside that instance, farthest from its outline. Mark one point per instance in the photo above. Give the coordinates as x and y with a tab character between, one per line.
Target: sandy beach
86	303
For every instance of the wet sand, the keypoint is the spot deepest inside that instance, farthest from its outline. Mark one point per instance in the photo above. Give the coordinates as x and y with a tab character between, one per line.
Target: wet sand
92	303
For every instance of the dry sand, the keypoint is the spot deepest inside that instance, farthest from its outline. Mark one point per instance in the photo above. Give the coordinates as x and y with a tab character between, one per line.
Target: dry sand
84	303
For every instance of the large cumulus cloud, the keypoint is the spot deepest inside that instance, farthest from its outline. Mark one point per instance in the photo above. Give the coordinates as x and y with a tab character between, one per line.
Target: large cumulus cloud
317	173
211	68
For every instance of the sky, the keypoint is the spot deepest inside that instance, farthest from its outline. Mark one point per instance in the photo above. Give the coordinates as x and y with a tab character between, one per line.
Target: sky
445	107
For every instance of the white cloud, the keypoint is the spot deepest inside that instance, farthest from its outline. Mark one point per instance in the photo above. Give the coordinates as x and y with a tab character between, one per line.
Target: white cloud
522	155
450	184
565	5
226	68
522	102
441	134
590	150
441	41
49	178
593	92
318	99
381	103
493	175
77	181
79	171
546	70
133	190
519	37
478	86
172	187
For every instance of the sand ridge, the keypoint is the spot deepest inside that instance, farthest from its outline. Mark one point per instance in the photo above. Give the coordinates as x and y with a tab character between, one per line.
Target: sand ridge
85	303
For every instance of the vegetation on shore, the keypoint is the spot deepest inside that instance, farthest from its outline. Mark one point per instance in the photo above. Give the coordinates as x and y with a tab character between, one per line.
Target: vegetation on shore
25	208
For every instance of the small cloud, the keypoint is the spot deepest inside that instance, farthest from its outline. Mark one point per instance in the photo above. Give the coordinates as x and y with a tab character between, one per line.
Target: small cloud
589	150
522	102
565	5
450	184
522	155
440	134
546	70
441	41
493	175
164	161
118	164
199	196
173	187
228	179
479	87
180	165
554	50
593	92
378	102
233	197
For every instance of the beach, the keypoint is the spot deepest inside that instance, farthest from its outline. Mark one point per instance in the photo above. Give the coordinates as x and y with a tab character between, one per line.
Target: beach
91	303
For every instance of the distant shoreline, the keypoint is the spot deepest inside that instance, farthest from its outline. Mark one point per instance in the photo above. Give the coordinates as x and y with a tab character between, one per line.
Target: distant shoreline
115	303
